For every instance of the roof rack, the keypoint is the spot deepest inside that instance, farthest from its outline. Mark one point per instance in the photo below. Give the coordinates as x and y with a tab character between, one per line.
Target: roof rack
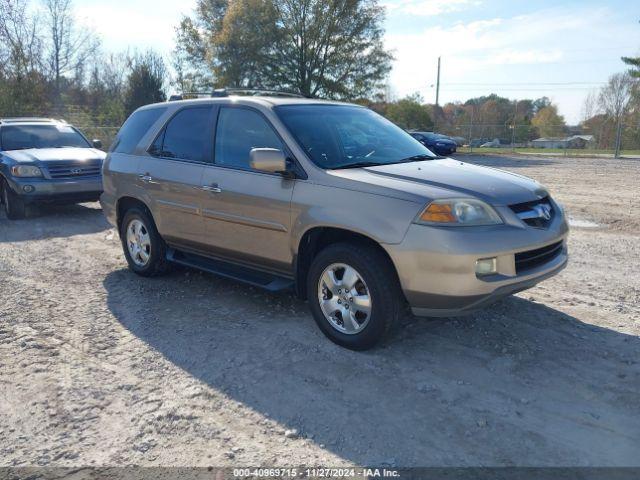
225	92
30	119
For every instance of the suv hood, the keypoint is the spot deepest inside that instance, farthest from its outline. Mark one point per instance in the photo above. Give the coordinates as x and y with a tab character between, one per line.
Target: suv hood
55	154
450	178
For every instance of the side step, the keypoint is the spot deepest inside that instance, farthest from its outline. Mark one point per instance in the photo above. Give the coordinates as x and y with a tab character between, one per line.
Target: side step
268	281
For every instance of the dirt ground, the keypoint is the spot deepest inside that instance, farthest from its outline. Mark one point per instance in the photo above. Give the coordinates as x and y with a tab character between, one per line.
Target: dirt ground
101	367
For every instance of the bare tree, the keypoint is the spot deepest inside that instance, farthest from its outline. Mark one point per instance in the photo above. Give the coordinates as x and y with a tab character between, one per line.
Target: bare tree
22	85
68	47
20	45
590	105
615	99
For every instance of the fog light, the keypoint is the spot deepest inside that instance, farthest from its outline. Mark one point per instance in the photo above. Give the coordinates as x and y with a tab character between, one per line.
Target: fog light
486	266
28	188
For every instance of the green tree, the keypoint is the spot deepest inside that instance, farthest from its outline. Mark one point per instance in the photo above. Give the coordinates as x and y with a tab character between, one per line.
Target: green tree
246	25
548	122
145	83
409	113
319	48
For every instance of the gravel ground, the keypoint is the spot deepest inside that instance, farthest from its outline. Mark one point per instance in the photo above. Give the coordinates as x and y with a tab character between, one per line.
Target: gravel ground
100	367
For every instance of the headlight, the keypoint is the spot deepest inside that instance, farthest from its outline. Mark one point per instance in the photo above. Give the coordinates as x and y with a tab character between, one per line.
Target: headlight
26	171
462	211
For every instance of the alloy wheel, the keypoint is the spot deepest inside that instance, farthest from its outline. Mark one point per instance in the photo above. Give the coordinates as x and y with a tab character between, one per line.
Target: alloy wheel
344	298
138	242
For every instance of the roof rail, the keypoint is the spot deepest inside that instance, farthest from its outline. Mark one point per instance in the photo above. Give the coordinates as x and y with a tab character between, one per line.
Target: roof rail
225	92
30	119
264	92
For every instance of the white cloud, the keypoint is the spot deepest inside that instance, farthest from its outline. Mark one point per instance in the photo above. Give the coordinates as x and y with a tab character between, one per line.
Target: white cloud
538	47
430	7
138	25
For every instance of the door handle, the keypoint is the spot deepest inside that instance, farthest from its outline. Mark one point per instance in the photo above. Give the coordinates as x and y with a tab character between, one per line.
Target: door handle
146	178
211	188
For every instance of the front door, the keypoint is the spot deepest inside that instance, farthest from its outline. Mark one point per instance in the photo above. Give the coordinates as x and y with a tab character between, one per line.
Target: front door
247	214
172	175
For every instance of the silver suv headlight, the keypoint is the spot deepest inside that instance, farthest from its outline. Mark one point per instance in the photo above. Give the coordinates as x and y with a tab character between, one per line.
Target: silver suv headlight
459	212
26	171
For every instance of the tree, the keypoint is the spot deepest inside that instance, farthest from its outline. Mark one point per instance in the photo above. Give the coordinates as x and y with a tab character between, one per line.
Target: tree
68	48
22	84
330	48
243	58
541	103
548	122
615	98
409	113
146	80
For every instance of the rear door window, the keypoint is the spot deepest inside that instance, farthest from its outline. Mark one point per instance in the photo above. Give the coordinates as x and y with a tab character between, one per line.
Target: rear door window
135	128
187	136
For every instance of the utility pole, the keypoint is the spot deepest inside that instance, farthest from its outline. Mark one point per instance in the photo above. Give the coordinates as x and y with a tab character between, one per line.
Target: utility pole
618	137
438	85
513	128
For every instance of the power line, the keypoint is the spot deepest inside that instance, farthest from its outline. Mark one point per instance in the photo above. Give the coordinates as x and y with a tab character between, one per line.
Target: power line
525	83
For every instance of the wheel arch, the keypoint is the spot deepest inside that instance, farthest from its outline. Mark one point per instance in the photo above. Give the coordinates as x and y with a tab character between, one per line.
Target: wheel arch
315	239
125	203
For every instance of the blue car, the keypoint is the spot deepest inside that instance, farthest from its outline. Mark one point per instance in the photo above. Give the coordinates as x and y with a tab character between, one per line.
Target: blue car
44	160
437	143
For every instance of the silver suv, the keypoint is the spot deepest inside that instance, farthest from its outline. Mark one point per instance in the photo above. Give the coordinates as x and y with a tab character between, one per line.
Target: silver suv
329	199
45	160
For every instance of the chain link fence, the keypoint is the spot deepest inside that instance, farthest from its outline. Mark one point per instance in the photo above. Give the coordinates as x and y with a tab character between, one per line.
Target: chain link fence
99	127
606	138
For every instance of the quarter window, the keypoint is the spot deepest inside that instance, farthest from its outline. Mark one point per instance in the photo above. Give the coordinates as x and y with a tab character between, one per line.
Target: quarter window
135	128
238	131
186	136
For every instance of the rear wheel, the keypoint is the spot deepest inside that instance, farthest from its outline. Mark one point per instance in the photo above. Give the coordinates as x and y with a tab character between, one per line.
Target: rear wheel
143	246
354	295
14	206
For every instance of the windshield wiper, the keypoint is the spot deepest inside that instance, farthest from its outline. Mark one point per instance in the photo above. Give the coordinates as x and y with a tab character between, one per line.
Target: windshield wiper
419	158
413	158
358	165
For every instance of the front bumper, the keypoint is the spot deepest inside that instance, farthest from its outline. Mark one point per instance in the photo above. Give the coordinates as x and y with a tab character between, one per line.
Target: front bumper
436	265
33	190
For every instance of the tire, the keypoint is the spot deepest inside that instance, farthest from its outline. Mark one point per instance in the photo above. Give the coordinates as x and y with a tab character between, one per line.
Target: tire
150	258
14	205
376	277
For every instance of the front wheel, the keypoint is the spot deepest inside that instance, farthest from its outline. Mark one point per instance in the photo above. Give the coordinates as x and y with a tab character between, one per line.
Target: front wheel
354	295
14	206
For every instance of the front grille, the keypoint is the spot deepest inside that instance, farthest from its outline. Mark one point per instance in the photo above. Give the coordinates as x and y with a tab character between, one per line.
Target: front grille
74	169
538	213
535	258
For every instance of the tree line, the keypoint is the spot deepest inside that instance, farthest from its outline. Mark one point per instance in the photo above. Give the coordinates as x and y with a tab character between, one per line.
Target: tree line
50	65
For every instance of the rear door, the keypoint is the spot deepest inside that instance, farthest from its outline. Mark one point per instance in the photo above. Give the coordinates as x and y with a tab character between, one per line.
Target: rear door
247	213
172	175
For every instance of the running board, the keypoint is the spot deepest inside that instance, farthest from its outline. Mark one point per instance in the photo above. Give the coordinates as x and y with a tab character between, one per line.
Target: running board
258	278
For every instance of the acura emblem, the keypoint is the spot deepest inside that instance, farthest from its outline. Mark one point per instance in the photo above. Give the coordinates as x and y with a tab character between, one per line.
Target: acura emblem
543	211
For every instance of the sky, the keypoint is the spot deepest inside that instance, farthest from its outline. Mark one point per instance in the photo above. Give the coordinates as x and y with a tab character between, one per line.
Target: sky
517	49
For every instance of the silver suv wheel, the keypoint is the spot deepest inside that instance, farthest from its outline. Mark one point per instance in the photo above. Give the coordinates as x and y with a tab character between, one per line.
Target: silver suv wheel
344	298
138	242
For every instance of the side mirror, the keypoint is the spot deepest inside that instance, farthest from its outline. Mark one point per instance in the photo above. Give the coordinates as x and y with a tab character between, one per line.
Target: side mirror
97	144
269	160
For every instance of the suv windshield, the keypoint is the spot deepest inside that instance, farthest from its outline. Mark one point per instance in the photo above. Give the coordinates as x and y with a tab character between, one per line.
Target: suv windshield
337	136
21	137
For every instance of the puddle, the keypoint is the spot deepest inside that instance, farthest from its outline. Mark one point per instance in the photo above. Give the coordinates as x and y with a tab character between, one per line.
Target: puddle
581	223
